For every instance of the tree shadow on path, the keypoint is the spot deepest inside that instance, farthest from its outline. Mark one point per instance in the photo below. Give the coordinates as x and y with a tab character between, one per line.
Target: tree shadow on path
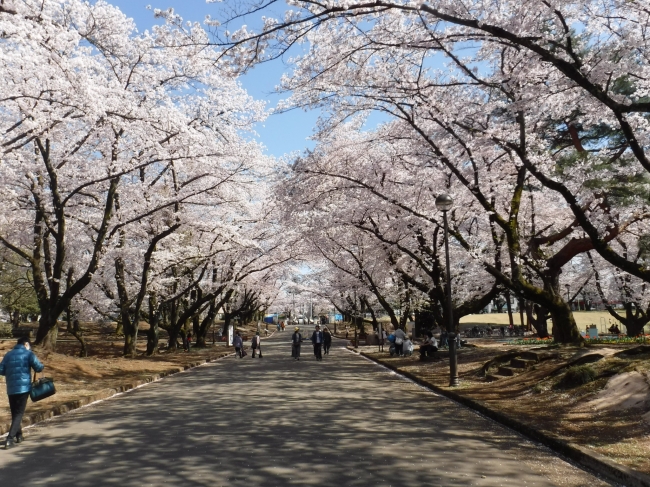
274	422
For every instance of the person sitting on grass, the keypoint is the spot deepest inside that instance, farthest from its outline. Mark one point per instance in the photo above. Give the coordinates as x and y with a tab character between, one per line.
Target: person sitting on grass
429	347
615	330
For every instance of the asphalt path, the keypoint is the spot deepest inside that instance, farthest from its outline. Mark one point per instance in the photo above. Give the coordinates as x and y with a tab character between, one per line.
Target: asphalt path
274	422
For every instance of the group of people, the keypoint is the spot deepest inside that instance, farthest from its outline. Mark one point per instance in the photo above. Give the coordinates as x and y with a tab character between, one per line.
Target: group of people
256	345
399	341
614	330
321	340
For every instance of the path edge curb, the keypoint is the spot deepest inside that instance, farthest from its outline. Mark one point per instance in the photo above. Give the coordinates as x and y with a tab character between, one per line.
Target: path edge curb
66	407
591	460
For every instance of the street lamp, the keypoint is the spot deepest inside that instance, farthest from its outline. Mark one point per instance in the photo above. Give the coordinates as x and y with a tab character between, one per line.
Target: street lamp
444	204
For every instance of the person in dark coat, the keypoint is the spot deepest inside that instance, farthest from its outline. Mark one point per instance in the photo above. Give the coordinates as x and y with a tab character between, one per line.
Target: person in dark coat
317	341
17	367
296	340
327	341
238	343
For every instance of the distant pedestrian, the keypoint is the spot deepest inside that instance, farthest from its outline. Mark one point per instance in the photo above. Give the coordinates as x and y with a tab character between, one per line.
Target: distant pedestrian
327	341
283	326
317	341
400	337
444	339
189	341
296	340
256	345
238	343
17	367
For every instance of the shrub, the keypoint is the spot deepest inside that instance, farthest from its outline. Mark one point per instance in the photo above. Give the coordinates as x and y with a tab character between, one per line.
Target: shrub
538	388
578	375
5	330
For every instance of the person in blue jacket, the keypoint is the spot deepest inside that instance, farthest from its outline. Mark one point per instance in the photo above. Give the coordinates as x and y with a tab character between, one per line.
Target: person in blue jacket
16	367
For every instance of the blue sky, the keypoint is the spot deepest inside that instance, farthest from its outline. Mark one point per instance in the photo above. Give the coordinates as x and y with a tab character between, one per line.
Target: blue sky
282	133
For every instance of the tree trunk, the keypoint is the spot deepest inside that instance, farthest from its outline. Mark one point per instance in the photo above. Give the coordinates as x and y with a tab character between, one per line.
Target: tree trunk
15	319
130	342
520	303
509	307
196	324
75	330
172	344
153	333
129	324
48	332
565	329
119	329
539	321
226	323
635	320
173	330
206	324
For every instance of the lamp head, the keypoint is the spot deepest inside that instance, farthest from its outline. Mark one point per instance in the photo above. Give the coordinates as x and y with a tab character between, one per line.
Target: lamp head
444	202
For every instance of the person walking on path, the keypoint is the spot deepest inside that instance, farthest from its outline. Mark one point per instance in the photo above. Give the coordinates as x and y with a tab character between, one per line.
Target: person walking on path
296	339
17	367
256	345
238	344
317	341
400	336
327	341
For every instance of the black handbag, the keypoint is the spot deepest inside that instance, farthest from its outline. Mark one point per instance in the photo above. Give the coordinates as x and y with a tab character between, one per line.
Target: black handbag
42	388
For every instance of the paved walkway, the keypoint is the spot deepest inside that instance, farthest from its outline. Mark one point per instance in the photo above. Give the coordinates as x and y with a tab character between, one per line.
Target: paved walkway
275	422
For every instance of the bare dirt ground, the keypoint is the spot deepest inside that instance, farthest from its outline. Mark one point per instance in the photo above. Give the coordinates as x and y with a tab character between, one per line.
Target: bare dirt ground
604	415
104	368
602	319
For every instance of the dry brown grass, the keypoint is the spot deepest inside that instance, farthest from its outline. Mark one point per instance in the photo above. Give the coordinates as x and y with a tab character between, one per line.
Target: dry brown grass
534	397
105	368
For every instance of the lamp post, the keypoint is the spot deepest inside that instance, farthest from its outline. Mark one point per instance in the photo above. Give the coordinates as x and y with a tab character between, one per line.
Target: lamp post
444	204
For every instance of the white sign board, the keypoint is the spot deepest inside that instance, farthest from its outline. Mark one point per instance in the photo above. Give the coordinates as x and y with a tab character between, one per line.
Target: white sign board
231	333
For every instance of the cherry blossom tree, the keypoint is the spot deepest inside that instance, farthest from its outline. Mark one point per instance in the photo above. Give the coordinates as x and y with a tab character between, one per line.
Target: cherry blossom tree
518	104
103	129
